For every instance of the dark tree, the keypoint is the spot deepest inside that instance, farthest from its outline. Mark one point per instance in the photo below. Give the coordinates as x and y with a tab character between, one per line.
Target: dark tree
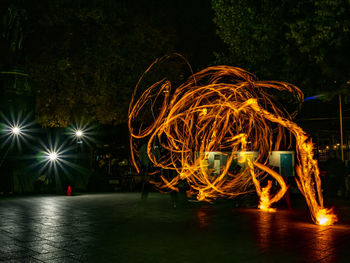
302	42
85	58
321	30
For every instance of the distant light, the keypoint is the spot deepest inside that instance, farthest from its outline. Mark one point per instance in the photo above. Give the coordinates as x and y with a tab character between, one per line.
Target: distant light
79	133
52	156
15	130
315	97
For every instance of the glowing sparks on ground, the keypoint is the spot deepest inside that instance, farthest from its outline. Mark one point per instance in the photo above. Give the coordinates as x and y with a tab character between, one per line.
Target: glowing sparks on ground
227	110
265	198
325	217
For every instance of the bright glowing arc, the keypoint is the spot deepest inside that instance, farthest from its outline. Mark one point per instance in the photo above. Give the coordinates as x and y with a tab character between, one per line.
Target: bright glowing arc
225	110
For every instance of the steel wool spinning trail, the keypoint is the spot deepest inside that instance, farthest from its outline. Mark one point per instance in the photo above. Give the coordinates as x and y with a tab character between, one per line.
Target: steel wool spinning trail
225	109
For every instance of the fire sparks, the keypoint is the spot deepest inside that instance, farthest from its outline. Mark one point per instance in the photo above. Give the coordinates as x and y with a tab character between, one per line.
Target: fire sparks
227	110
265	198
325	217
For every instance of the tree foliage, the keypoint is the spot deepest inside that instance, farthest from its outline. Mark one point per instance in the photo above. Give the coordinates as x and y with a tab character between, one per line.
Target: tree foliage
251	33
321	30
84	57
13	32
89	58
302	42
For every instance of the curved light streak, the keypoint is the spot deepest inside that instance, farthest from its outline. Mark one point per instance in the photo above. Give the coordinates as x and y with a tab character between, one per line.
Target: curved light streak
228	110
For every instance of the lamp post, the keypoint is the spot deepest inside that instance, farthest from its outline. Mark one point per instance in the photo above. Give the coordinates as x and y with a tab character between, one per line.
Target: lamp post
79	134
341	129
13	132
52	158
340	119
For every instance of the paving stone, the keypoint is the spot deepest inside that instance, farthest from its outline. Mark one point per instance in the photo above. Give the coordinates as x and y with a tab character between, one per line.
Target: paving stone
122	228
18	255
10	248
63	260
54	255
22	260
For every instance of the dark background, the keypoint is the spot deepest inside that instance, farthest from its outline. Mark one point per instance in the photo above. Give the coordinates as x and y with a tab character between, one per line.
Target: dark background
64	61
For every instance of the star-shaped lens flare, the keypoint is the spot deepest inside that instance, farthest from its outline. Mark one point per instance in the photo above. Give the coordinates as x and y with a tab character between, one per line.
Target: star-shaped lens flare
55	156
81	132
78	133
52	156
15	130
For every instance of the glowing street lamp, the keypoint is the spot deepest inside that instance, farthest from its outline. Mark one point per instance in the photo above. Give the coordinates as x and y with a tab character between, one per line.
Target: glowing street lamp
52	156
78	133
16	130
52	159
13	132
81	133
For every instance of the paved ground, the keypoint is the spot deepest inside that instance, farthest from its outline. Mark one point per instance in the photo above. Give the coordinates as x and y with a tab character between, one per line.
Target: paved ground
122	228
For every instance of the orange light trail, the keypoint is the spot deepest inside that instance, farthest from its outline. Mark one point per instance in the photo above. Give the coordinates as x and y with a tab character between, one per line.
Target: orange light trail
265	201
227	110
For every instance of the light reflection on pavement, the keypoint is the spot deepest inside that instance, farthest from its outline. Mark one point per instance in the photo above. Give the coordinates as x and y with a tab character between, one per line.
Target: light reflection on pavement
122	228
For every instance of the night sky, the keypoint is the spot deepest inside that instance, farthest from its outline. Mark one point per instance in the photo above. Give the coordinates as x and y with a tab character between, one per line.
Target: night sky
73	47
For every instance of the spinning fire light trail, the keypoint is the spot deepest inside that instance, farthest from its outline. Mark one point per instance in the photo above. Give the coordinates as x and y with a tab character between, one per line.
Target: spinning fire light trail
227	110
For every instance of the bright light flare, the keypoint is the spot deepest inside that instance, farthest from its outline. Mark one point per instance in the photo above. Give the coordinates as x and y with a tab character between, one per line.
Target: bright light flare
16	130
52	156
326	217
79	133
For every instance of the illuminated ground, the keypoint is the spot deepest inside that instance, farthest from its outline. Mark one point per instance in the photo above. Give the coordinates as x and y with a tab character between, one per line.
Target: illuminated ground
121	228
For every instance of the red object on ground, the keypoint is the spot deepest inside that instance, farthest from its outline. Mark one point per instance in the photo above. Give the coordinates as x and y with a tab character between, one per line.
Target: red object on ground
323	173
69	191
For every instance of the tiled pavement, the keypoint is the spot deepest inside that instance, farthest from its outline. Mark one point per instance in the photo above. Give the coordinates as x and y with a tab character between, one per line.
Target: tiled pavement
122	228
